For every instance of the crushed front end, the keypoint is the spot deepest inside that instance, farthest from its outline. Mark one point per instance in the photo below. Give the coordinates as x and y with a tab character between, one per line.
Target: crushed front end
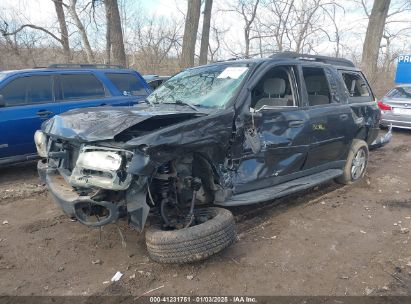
91	183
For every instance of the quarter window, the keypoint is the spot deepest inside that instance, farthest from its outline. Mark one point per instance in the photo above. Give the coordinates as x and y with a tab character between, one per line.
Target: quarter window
27	90
128	84
81	86
356	86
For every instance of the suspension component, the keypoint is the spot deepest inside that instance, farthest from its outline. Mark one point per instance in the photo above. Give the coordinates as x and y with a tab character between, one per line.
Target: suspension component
195	185
163	187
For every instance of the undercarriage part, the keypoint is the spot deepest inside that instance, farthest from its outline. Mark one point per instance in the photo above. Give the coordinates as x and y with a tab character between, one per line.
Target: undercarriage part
164	184
104	212
195	185
214	232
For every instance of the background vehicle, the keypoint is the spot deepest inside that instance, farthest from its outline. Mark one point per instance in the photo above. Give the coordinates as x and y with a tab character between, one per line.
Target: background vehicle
29	97
155	81
396	107
229	134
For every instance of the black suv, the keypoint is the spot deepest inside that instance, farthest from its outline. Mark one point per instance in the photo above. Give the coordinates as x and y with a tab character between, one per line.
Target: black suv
232	133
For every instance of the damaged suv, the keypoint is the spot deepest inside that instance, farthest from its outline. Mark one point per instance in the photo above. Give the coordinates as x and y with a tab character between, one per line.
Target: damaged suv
226	134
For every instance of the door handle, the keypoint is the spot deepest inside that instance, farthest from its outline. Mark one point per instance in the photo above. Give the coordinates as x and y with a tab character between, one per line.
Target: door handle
43	113
295	123
103	104
344	116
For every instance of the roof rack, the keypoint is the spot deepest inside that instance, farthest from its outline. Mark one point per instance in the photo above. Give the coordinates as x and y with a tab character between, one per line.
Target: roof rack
316	58
84	66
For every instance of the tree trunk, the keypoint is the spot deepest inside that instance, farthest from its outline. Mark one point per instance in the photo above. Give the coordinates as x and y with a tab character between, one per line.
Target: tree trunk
114	34
373	37
190	33
205	36
247	42
82	30
108	35
58	4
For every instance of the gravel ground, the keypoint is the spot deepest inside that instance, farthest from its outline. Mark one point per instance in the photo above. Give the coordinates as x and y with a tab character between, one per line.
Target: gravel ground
331	240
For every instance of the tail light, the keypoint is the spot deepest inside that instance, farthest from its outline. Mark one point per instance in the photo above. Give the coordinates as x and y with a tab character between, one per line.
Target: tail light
383	106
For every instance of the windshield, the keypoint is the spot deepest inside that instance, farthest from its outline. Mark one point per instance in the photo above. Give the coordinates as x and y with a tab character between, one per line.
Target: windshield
208	86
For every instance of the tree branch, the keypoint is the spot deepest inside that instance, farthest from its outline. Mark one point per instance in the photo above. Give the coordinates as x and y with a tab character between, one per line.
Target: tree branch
33	27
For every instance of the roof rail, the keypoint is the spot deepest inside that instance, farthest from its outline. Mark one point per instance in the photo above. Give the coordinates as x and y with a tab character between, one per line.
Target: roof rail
84	66
317	58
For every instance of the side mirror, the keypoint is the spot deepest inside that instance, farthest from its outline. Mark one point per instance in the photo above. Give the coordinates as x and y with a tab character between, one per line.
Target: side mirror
2	102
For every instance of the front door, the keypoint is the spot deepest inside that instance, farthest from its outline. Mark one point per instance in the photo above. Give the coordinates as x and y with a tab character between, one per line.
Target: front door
280	126
29	101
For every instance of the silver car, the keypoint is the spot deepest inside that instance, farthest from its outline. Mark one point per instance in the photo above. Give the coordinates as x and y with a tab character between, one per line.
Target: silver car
395	107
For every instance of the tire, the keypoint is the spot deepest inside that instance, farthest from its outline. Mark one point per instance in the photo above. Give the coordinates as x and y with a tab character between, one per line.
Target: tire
358	146
193	243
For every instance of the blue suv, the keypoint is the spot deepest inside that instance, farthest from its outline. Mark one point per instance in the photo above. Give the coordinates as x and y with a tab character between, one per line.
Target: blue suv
29	97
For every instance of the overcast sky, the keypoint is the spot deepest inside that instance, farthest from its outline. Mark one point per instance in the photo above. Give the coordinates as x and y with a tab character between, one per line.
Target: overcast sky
351	20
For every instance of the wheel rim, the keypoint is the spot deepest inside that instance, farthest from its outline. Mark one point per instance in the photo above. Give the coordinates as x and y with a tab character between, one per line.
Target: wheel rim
358	164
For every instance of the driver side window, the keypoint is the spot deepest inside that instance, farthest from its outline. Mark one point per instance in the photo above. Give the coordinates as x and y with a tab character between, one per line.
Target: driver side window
275	89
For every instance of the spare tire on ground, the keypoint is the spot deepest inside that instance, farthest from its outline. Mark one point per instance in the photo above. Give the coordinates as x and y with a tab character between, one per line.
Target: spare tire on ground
194	243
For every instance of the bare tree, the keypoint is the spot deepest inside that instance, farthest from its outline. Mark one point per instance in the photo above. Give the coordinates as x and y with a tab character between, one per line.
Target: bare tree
205	36
84	38
154	40
248	10
279	24
190	33
214	46
114	35
375	30
64	40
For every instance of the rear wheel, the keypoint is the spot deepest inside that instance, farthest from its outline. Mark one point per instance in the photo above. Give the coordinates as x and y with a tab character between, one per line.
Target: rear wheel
356	164
213	231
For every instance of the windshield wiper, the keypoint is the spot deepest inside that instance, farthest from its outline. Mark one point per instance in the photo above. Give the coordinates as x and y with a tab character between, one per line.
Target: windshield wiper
183	103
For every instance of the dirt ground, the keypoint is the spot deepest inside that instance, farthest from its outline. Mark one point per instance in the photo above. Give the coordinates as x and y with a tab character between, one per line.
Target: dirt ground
331	240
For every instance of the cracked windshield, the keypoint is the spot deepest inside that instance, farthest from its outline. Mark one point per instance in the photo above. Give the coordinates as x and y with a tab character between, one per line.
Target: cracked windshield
209	87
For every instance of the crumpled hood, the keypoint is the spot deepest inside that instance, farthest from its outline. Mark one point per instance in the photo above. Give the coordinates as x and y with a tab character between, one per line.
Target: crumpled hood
103	123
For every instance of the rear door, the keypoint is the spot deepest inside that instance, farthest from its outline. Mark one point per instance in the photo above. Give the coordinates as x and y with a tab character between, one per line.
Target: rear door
80	90
330	118
29	100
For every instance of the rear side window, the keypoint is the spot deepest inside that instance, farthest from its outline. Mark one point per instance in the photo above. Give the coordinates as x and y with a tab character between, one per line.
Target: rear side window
27	90
356	87
317	86
81	86
128	84
400	92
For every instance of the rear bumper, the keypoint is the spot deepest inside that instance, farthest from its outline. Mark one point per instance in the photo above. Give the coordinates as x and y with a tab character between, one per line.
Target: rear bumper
382	141
397	121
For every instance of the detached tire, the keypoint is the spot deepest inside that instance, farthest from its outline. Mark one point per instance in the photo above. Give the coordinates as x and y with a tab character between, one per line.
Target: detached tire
194	243
356	164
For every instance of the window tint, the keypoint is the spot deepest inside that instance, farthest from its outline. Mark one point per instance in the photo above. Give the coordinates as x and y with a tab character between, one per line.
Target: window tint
127	83
275	89
81	86
356	86
39	89
26	90
400	92
317	86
